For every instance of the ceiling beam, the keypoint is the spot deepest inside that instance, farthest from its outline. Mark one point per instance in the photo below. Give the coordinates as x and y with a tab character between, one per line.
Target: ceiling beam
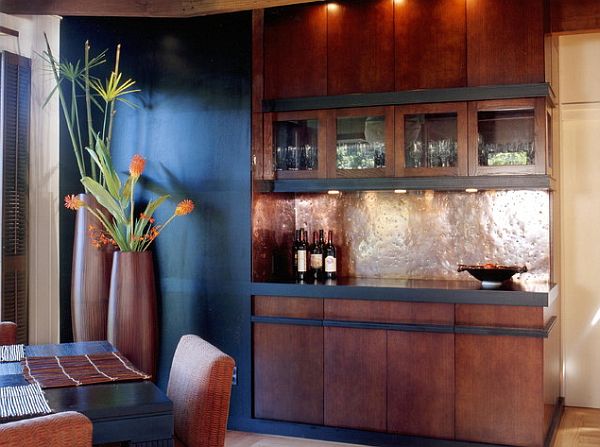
137	8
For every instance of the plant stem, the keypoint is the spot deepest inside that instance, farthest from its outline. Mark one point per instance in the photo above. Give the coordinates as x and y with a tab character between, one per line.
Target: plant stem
88	103
65	111
112	103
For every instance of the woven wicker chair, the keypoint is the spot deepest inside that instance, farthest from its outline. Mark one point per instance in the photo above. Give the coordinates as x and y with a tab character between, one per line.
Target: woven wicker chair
8	333
200	388
68	429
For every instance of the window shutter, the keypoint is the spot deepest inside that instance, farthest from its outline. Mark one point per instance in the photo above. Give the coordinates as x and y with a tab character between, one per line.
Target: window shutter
15	88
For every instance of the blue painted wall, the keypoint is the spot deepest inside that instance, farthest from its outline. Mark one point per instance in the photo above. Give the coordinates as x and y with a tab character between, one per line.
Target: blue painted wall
193	127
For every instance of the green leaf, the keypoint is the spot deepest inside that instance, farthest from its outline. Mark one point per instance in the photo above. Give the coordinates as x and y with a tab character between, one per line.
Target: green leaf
105	199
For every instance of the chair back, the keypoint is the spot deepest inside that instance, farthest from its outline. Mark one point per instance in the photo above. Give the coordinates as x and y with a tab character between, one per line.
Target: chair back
200	388
68	429
8	333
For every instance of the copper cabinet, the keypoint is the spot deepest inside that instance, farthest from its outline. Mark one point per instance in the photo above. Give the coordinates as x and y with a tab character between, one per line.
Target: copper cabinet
431	139
507	136
295	144
360	142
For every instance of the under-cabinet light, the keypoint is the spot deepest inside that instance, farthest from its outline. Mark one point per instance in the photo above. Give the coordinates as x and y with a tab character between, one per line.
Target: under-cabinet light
333	192
471	190
400	191
332	7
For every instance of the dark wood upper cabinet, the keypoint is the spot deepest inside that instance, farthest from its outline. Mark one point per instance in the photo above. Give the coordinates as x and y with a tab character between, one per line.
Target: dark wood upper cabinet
295	51
505	42
360	47
574	15
430	40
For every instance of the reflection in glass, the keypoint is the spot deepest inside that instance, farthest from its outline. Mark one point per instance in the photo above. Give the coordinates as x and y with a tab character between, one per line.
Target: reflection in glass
506	138
295	145
430	140
360	142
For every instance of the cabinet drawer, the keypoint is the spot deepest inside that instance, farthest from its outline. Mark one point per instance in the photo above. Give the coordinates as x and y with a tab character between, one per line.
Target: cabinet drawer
388	311
275	306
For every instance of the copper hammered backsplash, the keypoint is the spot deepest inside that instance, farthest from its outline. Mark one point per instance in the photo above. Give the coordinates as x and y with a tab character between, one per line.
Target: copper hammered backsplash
421	235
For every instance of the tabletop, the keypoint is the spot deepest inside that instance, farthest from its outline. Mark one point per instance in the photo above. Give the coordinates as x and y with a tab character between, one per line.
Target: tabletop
135	412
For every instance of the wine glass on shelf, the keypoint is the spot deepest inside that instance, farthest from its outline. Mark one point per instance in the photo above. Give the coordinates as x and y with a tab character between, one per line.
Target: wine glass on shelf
415	153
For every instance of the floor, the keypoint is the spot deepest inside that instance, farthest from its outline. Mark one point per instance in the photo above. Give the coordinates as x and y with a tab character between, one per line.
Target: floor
580	427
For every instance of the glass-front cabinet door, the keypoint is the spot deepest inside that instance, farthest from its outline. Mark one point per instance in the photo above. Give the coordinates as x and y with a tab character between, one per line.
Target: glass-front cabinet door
507	137
431	139
295	143
361	142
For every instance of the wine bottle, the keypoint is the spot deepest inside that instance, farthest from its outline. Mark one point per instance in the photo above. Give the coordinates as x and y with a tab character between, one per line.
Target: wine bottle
295	252
316	258
301	273
329	257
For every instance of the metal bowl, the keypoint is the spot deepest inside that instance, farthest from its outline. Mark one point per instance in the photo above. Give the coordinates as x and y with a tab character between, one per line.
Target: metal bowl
491	275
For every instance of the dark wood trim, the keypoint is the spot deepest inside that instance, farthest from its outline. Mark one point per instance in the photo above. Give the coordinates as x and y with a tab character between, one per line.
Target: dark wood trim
509	331
452	292
414	327
286	320
439	183
479	93
131	8
559	408
9	31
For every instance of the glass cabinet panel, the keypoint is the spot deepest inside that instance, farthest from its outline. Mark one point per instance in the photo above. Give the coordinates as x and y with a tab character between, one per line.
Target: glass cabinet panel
296	145
360	142
431	140
506	137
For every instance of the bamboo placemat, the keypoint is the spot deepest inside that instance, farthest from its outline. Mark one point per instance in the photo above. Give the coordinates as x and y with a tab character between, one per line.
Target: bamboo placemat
23	400
76	370
12	353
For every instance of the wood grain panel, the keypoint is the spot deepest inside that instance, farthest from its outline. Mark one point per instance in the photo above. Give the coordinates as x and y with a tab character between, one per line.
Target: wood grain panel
257	95
288	372
360	46
503	316
574	15
274	306
388	311
430	39
421	384
499	395
296	51
355	378
131	8
505	42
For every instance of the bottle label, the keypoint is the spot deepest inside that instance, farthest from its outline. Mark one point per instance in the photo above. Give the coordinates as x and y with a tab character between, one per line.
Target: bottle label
316	261
301	260
330	264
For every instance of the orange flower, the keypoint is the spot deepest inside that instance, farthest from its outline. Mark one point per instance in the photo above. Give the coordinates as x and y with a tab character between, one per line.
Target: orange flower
72	202
184	207
136	166
148	218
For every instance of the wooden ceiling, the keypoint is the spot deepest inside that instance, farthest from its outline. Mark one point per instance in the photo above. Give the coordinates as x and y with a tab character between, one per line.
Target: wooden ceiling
137	8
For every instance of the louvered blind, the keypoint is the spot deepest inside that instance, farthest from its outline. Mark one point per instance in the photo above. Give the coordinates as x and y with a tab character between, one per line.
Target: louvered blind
15	88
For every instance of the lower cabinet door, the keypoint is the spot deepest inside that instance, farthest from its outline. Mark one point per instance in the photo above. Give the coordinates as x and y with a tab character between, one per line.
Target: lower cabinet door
420	370
355	378
499	389
288	372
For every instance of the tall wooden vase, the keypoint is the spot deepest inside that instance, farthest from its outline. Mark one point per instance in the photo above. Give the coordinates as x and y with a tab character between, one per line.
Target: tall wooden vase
90	278
132	309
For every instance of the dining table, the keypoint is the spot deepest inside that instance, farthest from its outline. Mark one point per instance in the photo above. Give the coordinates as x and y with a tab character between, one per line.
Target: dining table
134	412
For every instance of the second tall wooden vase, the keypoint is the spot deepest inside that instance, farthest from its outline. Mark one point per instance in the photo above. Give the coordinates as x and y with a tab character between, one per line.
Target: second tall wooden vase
132	321
90	278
